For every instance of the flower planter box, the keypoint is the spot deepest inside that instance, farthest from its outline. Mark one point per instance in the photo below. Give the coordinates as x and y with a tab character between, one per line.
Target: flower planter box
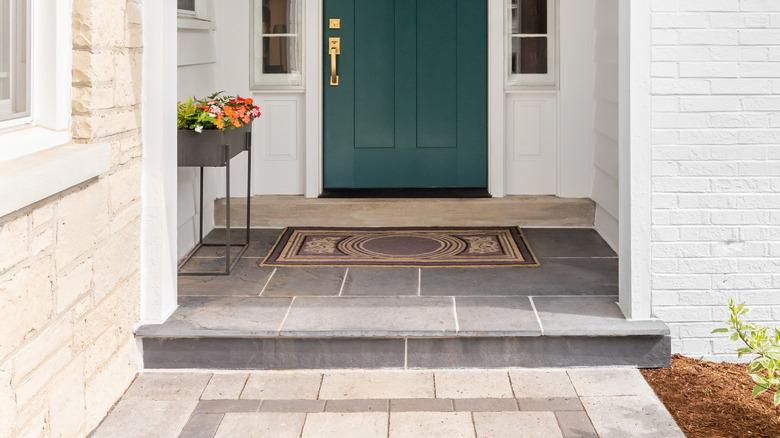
212	147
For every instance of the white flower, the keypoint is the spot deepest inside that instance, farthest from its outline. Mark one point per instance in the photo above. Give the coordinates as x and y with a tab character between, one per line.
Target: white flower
199	129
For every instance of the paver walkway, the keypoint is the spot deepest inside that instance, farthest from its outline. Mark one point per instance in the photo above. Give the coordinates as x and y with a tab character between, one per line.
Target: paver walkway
608	402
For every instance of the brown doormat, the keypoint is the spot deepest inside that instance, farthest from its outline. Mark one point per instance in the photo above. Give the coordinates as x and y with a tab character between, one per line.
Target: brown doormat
402	247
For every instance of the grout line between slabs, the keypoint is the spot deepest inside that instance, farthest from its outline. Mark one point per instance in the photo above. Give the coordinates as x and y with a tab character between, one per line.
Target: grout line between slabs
536	314
343	282
267	282
286	314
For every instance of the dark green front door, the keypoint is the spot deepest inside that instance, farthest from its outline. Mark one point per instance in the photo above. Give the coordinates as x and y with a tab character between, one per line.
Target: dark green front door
410	108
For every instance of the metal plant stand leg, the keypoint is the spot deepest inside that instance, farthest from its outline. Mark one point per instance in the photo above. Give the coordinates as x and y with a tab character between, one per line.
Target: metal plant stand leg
230	263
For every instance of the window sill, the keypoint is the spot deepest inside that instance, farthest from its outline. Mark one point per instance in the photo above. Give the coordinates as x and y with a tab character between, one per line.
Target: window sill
27	179
192	23
27	139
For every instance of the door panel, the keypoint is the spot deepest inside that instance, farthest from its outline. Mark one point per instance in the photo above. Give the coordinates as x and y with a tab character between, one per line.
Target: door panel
410	110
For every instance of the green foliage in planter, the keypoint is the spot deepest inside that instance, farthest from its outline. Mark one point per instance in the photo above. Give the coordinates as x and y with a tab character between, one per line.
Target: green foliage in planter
759	342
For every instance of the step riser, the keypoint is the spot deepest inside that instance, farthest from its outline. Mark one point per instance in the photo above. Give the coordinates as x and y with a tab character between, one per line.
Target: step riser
291	354
293	211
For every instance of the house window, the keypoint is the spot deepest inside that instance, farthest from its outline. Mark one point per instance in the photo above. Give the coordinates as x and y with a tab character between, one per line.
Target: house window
276	44
14	59
532	37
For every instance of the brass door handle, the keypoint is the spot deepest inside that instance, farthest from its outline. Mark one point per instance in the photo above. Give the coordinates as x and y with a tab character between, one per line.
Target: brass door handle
334	50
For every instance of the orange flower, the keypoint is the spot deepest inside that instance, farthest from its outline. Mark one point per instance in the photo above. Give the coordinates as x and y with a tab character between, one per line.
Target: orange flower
236	123
219	122
249	101
229	111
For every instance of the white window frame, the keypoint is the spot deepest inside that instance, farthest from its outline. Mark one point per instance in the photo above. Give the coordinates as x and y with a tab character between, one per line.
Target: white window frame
534	81
274	81
201	18
51	50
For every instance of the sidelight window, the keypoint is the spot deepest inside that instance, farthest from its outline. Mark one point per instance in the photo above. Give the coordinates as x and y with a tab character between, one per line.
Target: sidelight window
14	59
276	44
532	42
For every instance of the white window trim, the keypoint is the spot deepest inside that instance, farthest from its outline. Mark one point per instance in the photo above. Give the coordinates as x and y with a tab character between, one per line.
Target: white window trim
200	19
37	159
546	81
261	81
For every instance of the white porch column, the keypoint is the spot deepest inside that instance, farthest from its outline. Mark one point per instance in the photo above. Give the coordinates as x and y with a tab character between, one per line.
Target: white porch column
635	159
158	186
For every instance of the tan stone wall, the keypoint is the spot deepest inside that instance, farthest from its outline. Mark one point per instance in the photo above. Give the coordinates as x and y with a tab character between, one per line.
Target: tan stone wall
69	265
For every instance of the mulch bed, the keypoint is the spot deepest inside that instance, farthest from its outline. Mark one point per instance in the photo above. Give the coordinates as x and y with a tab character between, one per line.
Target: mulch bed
709	399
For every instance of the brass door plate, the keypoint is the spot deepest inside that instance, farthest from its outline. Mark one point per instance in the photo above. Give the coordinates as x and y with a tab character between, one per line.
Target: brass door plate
334	23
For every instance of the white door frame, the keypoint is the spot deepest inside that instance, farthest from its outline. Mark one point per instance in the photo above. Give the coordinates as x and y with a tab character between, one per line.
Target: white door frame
158	274
313	20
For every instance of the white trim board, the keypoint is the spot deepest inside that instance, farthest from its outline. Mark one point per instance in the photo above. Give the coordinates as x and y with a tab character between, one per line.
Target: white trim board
313	75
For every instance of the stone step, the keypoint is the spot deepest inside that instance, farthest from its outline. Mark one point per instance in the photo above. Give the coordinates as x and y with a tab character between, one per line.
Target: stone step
402	332
528	211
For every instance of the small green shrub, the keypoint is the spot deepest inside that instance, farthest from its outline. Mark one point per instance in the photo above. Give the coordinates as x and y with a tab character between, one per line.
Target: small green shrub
762	344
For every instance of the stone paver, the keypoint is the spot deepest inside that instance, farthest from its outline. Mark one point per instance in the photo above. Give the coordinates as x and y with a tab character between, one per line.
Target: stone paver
225	386
262	425
516	424
634	416
160	418
377	384
541	383
282	385
346	425
609	402
201	426
473	384
575	424
609	382
431	425
168	386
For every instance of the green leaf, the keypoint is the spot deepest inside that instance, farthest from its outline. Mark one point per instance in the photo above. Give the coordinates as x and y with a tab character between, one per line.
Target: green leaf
720	330
776	400
758	390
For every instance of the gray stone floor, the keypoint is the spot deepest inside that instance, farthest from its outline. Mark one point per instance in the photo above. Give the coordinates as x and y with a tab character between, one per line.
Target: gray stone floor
574	262
612	402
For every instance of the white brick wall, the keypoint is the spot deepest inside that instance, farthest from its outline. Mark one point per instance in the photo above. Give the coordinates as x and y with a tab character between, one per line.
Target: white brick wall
716	166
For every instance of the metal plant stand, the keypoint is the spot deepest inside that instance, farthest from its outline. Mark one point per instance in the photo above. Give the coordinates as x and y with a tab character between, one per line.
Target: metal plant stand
201	150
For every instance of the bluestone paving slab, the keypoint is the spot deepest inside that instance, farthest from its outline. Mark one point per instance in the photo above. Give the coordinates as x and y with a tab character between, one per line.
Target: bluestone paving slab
473	384
609	382
554	277
567	242
485	404
208	264
590	316
575	424
216	252
431	425
303	282
541	383
247	279
225	406
539	352
201	426
282	385
345	425
377	385
496	316
634	416
370	316
222	317
261	425
261	241
161	418
272	354
306	406
370	405
168	386
545	404
225	386
422	405
381	282
516	424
